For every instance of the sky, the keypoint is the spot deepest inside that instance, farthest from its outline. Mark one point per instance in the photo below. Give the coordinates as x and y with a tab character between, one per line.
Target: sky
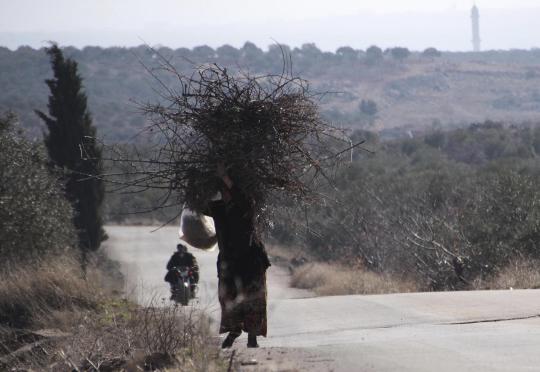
417	24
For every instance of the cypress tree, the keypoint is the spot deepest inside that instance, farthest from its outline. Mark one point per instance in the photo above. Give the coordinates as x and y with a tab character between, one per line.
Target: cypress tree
71	145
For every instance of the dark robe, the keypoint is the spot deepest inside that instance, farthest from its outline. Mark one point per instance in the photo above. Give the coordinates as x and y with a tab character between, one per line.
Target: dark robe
241	266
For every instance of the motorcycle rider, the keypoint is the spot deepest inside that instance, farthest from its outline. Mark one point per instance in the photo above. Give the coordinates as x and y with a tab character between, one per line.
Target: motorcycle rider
182	258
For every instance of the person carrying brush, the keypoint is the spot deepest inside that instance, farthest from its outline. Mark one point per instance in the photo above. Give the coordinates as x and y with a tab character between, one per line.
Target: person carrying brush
242	263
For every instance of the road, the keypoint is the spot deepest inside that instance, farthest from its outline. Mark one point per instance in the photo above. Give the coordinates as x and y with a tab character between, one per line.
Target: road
451	331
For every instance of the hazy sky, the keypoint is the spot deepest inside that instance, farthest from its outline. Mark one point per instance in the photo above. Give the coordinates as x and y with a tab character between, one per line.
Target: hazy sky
416	24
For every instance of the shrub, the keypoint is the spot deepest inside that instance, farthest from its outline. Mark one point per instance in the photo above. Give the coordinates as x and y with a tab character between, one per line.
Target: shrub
421	207
431	53
36	217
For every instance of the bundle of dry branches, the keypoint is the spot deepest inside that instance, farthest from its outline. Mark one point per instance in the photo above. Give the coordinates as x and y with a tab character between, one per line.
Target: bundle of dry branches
266	130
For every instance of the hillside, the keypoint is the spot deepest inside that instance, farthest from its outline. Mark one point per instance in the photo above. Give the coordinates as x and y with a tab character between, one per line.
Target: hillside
414	92
419	94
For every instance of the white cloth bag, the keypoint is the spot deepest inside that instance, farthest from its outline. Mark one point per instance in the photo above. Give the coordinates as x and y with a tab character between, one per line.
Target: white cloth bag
197	230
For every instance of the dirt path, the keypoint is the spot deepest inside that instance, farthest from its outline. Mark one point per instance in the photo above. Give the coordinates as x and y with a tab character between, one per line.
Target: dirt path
452	331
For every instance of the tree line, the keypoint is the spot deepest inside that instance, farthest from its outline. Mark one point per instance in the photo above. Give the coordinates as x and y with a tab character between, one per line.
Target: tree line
112	103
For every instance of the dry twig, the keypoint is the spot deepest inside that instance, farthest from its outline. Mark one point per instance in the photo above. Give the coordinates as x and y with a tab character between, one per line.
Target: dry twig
265	129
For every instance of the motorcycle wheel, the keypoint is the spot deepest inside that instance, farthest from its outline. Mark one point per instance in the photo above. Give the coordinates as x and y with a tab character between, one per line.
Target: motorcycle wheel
185	295
180	295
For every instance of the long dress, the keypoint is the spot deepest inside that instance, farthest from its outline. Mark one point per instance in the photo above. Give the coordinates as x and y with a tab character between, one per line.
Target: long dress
241	266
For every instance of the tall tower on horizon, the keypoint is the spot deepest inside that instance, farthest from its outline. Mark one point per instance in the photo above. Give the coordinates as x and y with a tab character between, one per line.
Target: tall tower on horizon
475	16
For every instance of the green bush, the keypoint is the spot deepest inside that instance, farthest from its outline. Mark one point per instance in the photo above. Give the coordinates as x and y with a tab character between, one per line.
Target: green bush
35	216
447	208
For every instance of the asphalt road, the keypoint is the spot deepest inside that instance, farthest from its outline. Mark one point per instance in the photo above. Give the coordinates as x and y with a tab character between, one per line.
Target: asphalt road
452	331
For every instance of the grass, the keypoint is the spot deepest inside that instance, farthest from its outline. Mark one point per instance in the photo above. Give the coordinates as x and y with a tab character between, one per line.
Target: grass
54	318
181	332
520	274
30	295
333	279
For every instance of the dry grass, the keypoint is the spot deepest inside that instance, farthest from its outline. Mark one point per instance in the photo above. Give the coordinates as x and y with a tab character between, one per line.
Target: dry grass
333	279
31	294
183	333
51	318
520	274
158	336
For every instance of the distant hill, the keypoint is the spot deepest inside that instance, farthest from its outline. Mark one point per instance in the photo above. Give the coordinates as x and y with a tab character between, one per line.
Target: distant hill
373	88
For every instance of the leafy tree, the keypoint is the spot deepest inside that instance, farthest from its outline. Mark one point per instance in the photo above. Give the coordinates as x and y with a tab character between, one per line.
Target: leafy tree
435	139
400	53
203	53
277	56
179	53
228	54
374	55
252	54
71	145
278	50
431	53
368	107
368	110
36	217
347	53
310	50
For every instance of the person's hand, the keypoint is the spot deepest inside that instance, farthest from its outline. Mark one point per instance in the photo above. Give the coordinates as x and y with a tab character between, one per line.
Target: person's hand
221	172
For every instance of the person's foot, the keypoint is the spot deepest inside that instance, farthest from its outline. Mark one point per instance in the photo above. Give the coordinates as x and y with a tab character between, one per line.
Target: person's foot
252	341
229	340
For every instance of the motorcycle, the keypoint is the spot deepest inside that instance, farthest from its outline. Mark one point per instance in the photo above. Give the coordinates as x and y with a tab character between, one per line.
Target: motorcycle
183	285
